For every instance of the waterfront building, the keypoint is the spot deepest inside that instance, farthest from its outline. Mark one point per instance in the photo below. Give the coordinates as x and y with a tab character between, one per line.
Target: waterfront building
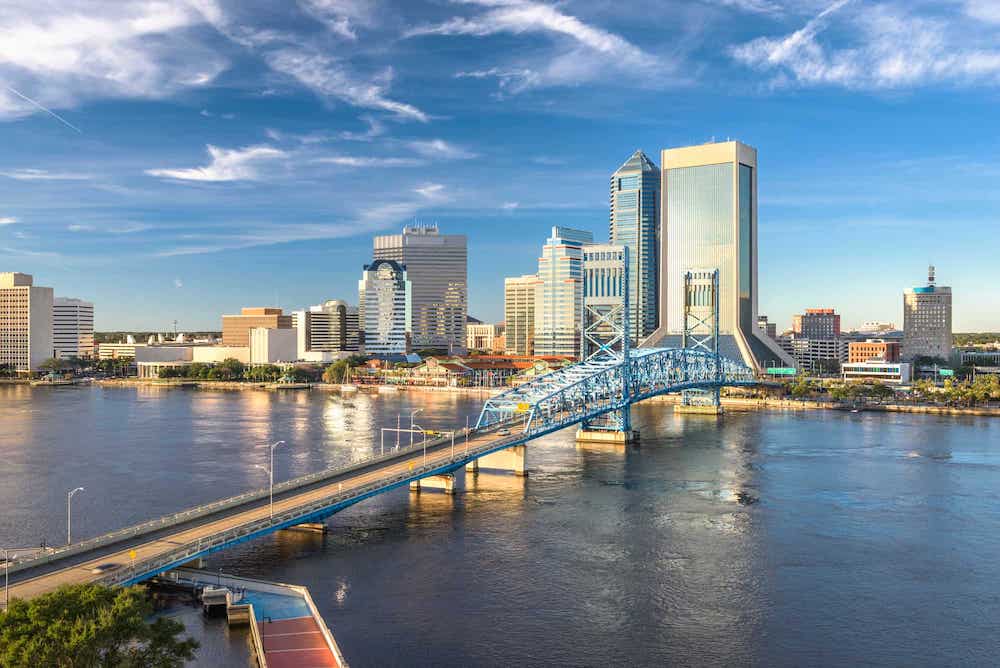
559	297
927	321
271	345
873	349
72	328
768	328
519	296
635	224
236	328
817	323
815	355
437	267
898	373
25	322
486	337
709	221
325	331
384	309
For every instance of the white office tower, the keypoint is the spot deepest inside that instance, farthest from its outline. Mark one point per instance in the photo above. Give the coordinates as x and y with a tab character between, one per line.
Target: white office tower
326	331
384	303
25	322
437	267
559	296
72	328
927	321
709	221
519	295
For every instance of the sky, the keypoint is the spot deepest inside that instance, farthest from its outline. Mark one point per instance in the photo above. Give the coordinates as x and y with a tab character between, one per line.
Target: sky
177	160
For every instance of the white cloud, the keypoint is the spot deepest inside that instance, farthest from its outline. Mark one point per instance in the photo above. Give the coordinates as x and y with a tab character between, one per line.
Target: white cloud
7	220
431	191
984	10
44	175
178	283
76	227
883	46
239	164
440	149
594	51
510	206
375	129
757	6
368	161
60	54
329	78
341	16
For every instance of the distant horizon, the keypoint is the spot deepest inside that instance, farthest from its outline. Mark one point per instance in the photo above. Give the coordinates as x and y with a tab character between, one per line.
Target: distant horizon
181	165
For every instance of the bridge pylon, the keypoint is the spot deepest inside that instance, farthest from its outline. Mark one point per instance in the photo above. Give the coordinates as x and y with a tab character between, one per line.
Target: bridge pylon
606	336
701	332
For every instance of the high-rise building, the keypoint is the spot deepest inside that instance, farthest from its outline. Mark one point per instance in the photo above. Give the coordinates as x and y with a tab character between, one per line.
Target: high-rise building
25	322
519	295
817	323
709	221
769	328
330	327
384	308
236	328
927	321
559	298
437	267
72	328
635	224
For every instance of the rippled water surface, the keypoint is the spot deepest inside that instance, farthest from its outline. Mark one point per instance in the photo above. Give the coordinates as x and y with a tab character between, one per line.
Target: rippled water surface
762	538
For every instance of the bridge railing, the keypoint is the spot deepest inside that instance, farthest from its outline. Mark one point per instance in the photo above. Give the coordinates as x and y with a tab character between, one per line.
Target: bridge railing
204	510
194	549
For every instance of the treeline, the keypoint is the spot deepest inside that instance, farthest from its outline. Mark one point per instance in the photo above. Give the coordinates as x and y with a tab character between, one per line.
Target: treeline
973	339
231	369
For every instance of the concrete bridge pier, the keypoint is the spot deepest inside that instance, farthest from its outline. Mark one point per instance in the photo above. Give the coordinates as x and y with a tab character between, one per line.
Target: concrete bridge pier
610	437
513	459
443	481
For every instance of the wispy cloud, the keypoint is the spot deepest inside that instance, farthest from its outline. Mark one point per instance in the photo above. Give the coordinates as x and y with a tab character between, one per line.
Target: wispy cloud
341	17
368	161
440	149
877	46
241	164
431	191
78	227
7	220
510	206
375	129
44	175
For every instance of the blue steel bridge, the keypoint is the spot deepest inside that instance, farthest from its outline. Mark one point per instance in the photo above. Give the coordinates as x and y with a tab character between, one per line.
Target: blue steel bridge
579	394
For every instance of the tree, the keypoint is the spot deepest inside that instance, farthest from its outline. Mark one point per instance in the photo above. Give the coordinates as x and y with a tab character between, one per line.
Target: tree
90	625
53	365
802	389
228	369
7	371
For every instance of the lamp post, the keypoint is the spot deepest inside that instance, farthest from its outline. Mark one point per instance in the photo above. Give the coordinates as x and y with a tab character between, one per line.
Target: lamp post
69	513
270	473
423	438
6	580
412	415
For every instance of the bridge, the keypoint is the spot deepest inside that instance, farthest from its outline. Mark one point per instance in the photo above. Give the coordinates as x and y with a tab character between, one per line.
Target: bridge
581	394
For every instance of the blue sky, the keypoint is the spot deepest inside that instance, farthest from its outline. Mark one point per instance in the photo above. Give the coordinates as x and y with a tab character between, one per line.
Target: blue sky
178	160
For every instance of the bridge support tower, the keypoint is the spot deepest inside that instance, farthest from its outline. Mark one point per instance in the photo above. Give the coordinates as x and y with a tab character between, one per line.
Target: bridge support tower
701	332
513	459
444	482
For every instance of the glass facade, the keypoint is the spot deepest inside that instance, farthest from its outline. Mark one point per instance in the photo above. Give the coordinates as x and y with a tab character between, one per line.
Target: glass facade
559	295
635	220
746	287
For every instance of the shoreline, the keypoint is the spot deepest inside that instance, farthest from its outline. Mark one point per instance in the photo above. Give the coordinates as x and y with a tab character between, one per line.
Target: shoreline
735	403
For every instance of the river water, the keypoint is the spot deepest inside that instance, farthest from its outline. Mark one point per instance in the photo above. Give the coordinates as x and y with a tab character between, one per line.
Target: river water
762	538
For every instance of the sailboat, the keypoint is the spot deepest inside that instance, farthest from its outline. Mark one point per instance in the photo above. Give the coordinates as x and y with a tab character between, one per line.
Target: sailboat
345	384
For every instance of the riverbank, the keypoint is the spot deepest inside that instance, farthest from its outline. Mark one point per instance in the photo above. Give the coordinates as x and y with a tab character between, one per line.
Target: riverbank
742	403
319	387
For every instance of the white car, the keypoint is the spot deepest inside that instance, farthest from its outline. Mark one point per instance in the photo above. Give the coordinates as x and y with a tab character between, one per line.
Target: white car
503	432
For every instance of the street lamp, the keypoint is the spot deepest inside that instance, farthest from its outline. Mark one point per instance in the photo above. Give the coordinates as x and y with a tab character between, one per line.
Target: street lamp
6	580
69	513
412	415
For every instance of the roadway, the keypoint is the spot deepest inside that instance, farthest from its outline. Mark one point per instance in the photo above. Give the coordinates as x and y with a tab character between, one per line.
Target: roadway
406	463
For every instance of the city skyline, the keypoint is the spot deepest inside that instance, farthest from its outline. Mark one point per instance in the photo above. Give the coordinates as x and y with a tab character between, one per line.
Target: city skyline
236	155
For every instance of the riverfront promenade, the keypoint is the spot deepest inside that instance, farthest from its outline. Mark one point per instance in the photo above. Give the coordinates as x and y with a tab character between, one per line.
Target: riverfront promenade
143	556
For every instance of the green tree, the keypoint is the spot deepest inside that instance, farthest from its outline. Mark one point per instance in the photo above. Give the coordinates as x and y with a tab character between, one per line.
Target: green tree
53	364
90	625
7	371
802	389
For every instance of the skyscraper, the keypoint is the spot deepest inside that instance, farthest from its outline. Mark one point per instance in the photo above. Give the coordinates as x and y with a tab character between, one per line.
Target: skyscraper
72	328
817	323
25	322
559	298
437	267
709	221
330	327
635	224
384	308
927	321
519	294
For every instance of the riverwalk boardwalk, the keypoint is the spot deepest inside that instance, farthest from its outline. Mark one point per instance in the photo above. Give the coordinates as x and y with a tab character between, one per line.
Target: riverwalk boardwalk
575	395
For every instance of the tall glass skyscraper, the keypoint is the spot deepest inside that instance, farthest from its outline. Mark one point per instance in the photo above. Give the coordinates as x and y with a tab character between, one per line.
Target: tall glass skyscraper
635	223
559	295
437	266
384	303
709	221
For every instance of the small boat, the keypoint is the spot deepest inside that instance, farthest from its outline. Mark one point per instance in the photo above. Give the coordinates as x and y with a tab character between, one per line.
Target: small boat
387	389
348	387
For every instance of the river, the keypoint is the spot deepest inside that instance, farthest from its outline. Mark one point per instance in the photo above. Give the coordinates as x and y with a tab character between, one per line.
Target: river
761	538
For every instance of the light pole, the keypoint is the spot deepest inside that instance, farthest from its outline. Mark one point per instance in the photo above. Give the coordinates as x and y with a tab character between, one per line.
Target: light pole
412	415
69	513
6	580
270	472
423	437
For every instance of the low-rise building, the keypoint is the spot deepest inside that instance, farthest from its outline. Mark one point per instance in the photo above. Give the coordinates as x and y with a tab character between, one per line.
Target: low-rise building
873	349
236	328
485	337
899	373
271	345
815	355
